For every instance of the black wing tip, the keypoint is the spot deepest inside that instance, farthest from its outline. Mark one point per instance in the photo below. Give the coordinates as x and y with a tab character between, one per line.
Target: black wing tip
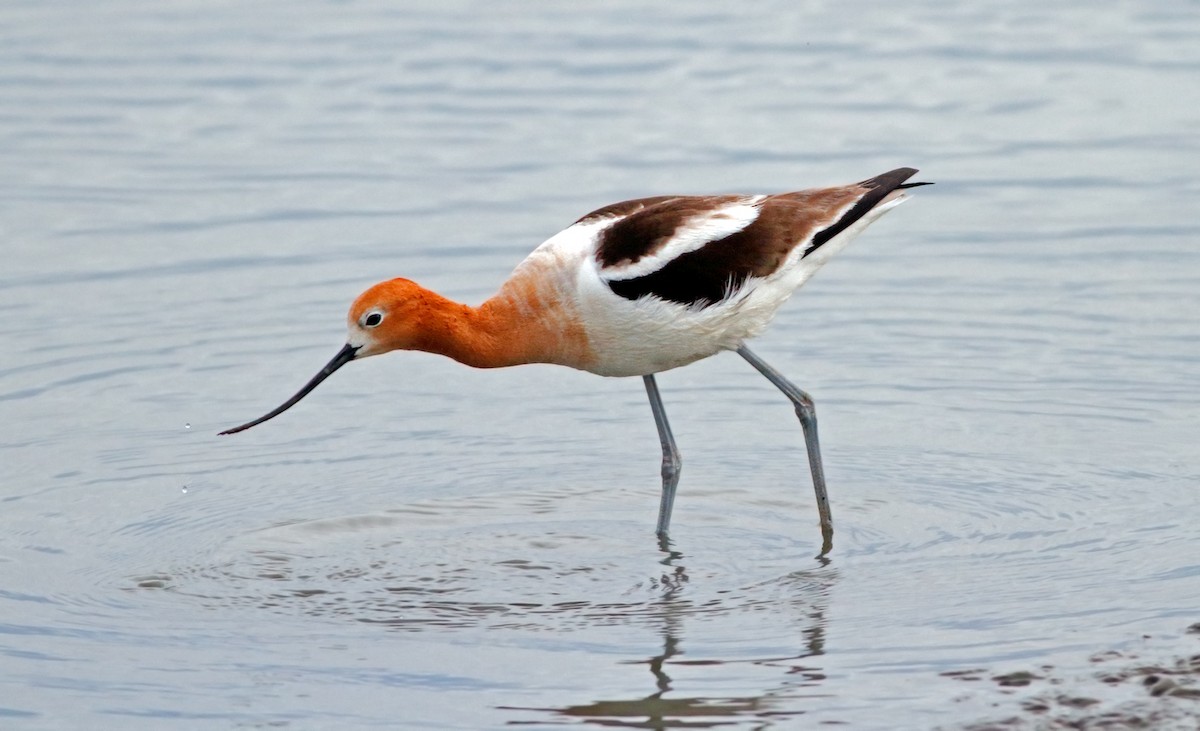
893	180
878	189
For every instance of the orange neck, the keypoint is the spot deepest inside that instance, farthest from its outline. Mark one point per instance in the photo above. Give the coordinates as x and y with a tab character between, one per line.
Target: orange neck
511	328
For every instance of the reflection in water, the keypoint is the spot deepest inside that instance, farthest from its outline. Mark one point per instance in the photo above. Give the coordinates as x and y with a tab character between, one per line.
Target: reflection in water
656	711
425	568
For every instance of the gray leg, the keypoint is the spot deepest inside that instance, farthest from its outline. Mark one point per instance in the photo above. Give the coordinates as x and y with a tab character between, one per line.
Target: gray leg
671	461
808	421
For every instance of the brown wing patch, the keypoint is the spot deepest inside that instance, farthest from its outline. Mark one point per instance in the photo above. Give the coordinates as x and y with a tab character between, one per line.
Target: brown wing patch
707	275
646	230
808	218
625	208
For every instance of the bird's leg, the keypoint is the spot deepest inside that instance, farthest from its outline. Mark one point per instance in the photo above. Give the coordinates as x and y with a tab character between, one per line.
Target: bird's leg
672	463
808	421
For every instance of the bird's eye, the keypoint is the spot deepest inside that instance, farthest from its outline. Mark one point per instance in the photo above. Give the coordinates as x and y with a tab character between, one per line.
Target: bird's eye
372	319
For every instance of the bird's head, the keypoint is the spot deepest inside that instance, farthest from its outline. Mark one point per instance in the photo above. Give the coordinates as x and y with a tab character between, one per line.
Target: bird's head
386	317
383	318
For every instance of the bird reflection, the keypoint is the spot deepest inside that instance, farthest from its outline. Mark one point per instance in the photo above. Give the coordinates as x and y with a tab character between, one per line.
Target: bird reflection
663	710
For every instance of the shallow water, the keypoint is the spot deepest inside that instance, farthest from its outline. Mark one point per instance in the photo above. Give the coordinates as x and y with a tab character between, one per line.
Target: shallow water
1006	368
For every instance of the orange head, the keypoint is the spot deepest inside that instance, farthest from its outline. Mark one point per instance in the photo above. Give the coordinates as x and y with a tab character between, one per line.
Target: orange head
388	316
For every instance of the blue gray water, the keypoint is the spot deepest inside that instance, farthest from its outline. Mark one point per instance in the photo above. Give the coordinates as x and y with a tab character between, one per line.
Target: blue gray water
1006	368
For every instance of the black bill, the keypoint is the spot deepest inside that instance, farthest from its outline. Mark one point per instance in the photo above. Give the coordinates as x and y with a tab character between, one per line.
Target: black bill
344	356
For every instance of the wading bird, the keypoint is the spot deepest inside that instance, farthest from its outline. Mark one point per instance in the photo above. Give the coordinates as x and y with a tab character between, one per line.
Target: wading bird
636	288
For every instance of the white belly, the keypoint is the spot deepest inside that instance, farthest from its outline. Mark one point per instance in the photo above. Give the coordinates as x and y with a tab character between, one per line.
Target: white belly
649	335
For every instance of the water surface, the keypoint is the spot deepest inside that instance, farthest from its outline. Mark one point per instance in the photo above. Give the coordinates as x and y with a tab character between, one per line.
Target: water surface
1006	369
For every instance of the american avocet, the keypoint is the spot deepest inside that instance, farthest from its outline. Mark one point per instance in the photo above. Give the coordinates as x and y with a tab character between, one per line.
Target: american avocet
636	288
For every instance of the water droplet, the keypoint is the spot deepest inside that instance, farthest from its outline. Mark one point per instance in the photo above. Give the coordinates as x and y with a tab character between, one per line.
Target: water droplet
185	489
187	426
